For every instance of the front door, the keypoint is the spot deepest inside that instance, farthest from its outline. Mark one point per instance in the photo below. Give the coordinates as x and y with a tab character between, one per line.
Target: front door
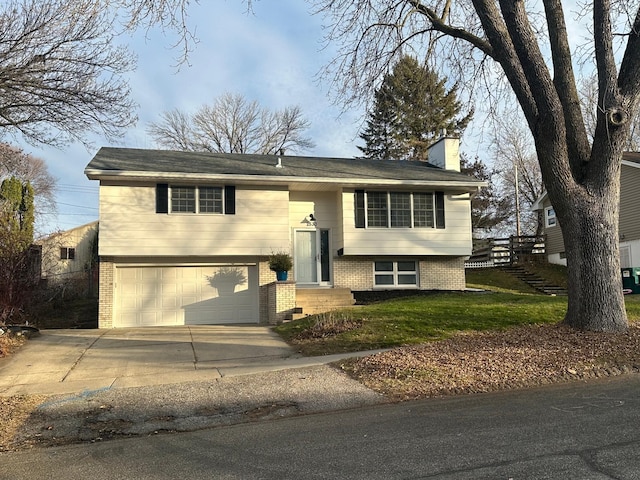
311	257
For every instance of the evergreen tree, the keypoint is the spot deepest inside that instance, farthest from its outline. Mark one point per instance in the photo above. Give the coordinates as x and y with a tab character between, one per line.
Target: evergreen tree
17	276
17	212
411	107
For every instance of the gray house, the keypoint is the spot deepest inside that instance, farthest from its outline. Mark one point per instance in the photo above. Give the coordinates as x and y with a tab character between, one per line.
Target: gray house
629	221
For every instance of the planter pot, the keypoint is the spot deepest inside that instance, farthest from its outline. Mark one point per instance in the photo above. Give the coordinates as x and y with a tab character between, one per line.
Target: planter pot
281	276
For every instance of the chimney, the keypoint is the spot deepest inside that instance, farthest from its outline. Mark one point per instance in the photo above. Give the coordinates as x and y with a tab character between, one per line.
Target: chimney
445	153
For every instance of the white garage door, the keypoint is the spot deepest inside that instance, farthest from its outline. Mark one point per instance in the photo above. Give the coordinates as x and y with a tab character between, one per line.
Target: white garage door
185	295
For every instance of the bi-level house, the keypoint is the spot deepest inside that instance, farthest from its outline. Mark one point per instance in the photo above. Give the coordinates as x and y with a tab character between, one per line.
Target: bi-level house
628	222
185	237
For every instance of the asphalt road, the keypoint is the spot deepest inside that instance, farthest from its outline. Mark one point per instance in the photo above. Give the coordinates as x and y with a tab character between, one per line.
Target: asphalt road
578	431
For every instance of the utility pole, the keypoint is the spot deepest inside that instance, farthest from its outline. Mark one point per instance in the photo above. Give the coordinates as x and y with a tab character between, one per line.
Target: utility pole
515	164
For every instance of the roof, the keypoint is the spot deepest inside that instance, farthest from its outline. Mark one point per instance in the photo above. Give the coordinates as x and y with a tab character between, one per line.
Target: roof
631	157
118	163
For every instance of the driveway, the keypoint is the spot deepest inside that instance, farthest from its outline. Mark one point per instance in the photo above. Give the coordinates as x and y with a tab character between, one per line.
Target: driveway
70	361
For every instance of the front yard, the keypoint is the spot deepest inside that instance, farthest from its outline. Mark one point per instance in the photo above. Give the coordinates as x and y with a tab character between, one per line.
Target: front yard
451	343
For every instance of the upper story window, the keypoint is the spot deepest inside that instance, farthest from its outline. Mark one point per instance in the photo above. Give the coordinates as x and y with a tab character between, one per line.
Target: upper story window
67	253
550	217
375	209
195	199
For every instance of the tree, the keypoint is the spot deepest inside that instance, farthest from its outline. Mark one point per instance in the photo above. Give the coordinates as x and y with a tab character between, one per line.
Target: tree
515	158
411	108
16	237
581	175
232	124
488	209
14	162
61	68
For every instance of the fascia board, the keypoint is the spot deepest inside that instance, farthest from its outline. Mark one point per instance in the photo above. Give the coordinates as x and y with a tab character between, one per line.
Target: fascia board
95	174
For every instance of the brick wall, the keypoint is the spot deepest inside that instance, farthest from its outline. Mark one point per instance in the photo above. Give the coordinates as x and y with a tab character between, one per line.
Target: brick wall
281	300
436	273
442	273
105	299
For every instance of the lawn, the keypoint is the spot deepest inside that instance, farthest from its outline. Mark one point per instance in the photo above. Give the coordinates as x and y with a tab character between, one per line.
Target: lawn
430	317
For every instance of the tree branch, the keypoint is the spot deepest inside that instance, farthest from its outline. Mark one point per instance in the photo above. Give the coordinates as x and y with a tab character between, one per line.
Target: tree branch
565	83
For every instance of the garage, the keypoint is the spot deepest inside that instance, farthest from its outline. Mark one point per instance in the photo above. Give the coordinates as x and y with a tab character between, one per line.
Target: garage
185	295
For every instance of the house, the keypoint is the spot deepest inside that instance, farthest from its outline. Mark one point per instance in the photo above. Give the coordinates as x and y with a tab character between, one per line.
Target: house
629	220
185	237
68	253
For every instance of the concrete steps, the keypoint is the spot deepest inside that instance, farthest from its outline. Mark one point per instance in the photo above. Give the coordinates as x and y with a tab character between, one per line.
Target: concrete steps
310	301
535	281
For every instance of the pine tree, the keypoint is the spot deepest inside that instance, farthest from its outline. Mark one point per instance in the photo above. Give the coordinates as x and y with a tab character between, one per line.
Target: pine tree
411	108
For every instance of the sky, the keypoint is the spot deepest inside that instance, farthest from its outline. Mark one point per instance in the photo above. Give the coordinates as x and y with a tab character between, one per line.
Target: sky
272	55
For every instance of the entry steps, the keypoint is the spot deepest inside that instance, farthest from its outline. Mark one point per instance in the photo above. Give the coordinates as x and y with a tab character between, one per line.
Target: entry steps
310	301
535	281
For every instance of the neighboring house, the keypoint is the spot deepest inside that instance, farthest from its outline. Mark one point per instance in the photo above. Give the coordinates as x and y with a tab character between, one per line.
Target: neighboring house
629	220
68	253
185	237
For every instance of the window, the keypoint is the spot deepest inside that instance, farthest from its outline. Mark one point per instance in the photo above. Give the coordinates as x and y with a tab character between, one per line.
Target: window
395	274
188	199
210	199
377	212
399	209
550	217
67	253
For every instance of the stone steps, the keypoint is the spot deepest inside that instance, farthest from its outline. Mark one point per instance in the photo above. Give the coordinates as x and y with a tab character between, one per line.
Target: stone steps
535	281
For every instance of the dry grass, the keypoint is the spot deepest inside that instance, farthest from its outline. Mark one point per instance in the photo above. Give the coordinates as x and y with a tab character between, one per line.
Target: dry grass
9	343
497	360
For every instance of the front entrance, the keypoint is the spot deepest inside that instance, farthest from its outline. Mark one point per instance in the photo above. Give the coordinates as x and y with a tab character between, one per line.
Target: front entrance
311	257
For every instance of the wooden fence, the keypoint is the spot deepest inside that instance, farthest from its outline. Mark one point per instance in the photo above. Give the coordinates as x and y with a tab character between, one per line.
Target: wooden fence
492	252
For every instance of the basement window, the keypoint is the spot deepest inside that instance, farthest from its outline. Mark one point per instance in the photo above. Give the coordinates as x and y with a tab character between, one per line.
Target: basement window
395	274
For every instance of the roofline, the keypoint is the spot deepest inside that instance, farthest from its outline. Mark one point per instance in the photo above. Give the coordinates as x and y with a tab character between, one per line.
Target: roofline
629	163
97	174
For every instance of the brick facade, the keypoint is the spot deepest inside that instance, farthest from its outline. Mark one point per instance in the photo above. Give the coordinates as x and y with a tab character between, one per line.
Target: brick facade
436	273
105	302
281	301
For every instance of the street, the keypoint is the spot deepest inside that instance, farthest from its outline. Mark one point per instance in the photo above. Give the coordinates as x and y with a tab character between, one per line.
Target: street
577	431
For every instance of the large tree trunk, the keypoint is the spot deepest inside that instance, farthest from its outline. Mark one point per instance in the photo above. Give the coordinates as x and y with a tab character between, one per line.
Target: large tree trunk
590	231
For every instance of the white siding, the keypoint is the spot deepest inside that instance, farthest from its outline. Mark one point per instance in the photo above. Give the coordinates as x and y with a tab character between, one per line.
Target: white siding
130	226
454	240
321	204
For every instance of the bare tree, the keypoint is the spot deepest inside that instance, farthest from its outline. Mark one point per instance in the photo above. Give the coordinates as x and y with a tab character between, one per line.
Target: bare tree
529	44
232	124
589	100
60	72
61	68
14	162
517	164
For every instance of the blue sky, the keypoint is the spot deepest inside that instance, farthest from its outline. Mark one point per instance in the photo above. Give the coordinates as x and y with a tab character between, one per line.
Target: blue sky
272	56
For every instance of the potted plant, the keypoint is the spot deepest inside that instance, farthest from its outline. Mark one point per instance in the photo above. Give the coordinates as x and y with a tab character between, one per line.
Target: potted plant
281	263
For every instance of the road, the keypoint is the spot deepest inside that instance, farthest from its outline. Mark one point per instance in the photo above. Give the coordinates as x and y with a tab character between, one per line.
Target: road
578	431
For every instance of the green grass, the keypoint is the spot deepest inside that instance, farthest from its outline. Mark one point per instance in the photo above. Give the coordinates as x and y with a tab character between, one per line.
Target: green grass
431	317
425	318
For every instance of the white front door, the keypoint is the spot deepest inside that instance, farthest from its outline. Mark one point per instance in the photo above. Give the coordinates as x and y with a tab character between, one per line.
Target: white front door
311	257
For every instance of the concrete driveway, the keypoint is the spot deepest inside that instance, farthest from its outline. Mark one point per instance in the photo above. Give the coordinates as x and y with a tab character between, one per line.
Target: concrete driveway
71	361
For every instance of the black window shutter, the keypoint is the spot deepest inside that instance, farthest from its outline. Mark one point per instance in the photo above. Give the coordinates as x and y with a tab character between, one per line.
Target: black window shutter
229	199
439	209
162	198
360	211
